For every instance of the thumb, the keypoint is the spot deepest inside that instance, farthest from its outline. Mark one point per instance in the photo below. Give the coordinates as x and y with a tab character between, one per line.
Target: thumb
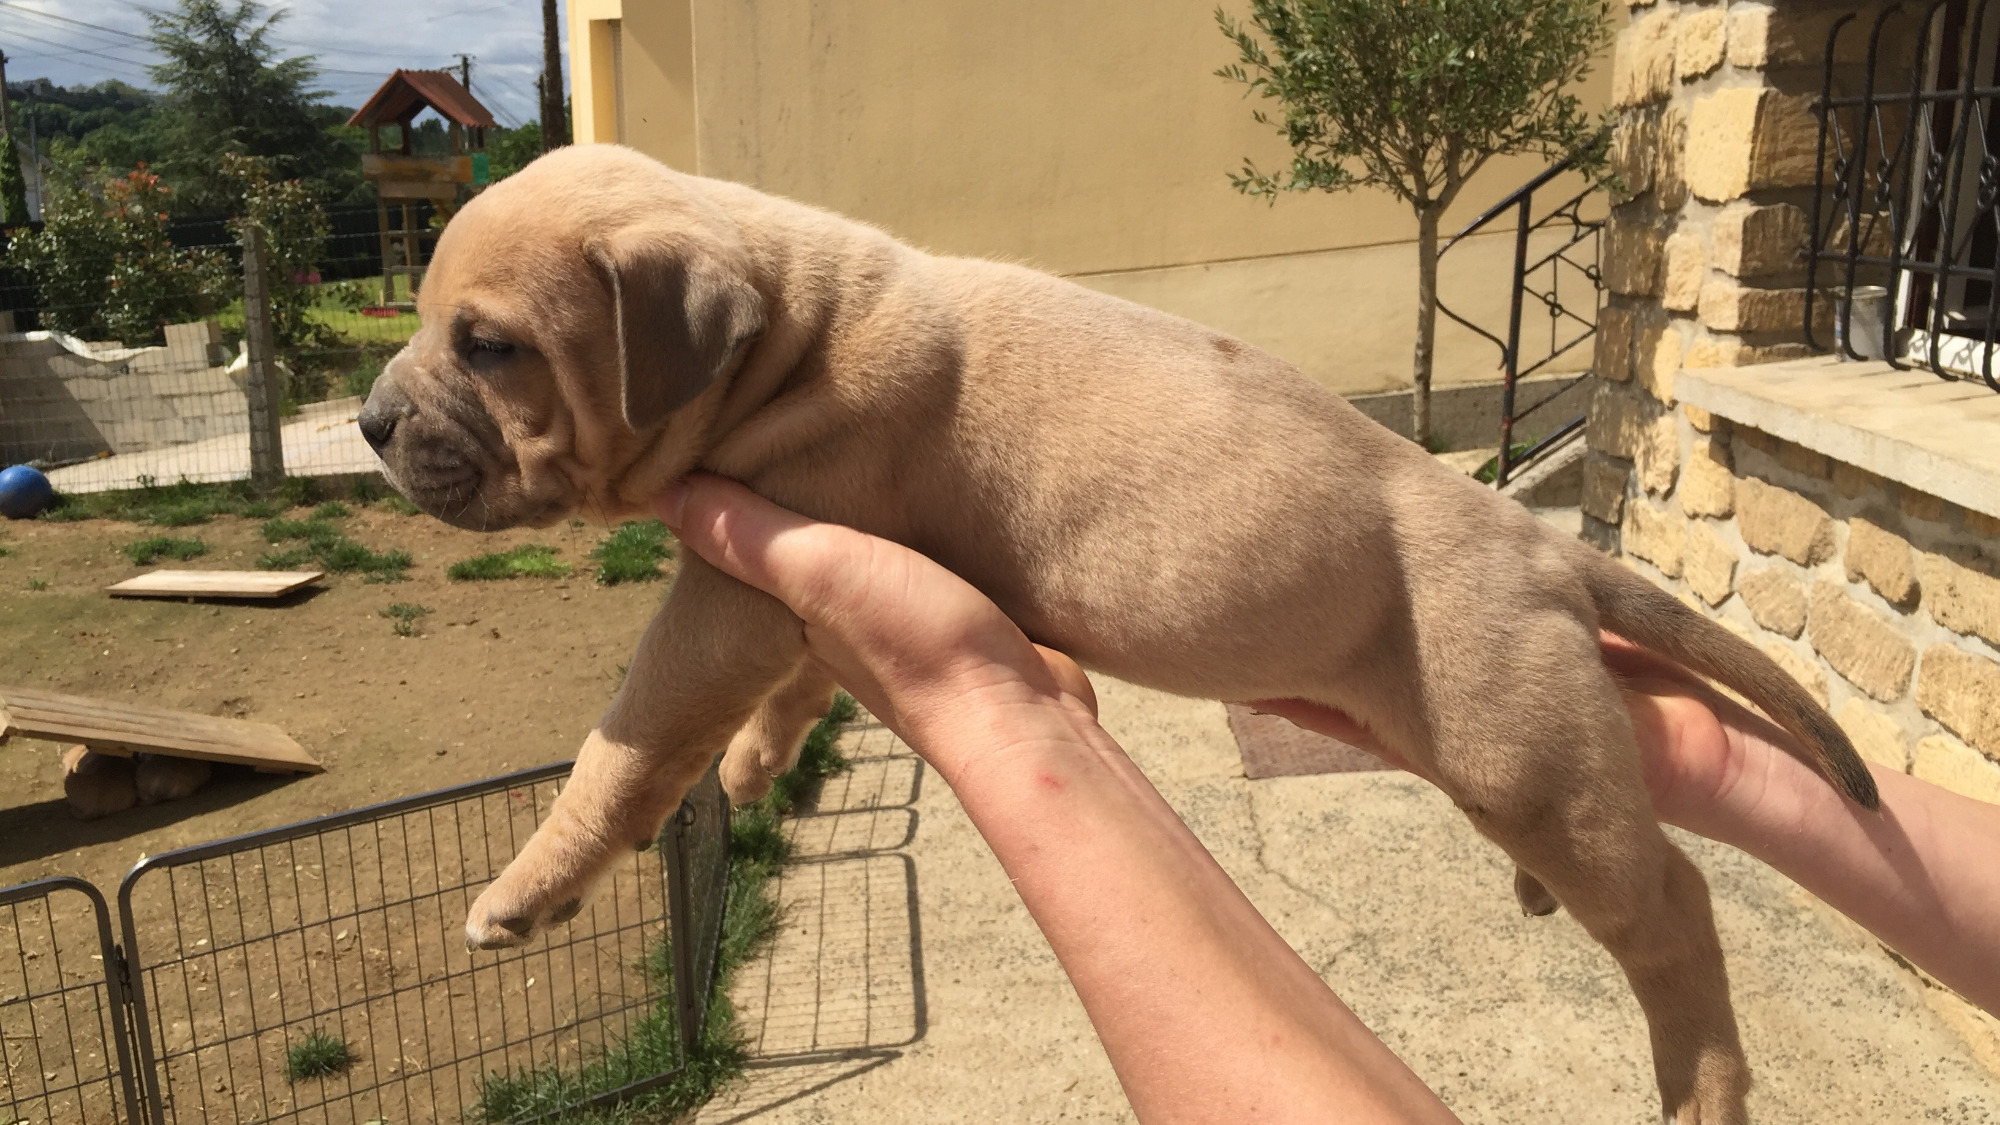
801	562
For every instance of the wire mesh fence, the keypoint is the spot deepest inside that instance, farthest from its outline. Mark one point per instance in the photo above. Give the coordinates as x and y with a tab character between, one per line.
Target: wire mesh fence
318	973
117	372
63	1054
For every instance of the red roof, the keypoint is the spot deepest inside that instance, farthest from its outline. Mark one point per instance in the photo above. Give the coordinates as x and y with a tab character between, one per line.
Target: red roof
409	92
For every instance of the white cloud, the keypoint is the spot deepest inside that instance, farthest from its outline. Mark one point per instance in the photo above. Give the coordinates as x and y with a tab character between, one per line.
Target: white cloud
357	43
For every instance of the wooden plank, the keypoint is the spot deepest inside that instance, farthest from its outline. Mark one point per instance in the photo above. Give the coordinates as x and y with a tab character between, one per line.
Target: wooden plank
213	583
124	728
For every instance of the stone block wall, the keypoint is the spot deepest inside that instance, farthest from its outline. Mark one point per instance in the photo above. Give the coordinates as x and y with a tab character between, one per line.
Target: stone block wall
1883	601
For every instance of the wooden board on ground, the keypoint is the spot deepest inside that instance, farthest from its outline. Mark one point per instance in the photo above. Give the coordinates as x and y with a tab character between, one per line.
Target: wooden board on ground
126	728
213	583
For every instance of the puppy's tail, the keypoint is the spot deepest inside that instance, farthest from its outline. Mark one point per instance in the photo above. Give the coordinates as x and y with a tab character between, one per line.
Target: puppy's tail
1639	611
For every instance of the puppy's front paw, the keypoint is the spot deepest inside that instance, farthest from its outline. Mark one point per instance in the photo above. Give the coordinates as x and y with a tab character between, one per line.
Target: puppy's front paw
743	775
503	919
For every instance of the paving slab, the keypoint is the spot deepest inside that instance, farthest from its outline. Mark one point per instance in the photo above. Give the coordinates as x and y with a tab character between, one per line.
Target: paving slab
909	985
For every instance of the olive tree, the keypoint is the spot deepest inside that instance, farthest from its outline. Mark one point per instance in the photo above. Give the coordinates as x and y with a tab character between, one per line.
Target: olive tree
1414	97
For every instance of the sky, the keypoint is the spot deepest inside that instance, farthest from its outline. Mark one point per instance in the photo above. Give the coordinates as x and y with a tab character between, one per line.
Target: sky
357	43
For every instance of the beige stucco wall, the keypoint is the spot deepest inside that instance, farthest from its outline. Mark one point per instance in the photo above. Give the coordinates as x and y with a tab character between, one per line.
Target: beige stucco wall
1091	140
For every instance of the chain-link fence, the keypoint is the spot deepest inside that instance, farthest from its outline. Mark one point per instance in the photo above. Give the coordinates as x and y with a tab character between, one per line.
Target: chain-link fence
128	367
318	973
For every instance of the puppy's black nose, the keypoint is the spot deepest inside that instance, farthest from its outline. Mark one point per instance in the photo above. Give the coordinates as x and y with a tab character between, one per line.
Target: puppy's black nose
387	405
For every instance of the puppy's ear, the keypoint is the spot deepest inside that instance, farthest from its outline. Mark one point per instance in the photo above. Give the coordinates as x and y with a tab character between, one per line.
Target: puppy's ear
684	315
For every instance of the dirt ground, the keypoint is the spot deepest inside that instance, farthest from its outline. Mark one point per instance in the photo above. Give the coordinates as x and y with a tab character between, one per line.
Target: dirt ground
506	675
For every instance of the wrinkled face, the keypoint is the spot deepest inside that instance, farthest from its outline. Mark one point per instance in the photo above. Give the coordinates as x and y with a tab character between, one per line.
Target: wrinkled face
559	336
472	419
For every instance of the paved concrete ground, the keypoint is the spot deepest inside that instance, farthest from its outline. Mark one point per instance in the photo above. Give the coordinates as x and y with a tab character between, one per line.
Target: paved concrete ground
322	439
906	946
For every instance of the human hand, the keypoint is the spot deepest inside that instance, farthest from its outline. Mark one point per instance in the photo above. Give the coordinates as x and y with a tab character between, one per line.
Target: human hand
914	643
1204	1011
1707	759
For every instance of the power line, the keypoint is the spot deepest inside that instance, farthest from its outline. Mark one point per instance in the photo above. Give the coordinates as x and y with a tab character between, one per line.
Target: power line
78	23
71	48
508	117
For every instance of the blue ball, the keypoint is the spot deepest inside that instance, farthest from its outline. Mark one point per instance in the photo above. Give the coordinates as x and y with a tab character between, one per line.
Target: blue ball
24	492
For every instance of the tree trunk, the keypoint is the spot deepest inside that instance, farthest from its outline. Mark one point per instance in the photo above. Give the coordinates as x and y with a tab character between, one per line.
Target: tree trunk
1427	290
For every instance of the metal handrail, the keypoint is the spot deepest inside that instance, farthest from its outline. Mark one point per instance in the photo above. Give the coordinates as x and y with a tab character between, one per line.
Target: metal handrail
1520	204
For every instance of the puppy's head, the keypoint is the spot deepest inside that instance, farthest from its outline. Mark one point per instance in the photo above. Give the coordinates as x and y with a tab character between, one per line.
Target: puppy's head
569	314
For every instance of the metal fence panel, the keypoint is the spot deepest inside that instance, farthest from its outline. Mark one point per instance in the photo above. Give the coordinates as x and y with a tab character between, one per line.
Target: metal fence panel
61	1037
247	954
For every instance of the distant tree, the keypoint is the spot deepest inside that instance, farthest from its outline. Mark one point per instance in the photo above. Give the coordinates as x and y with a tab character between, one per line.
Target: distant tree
1415	96
13	185
510	150
228	91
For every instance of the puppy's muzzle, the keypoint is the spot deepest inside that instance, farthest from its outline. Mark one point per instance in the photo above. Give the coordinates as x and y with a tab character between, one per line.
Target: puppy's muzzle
386	408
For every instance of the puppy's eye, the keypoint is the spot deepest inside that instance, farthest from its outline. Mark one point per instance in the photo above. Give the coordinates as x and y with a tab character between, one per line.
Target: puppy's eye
487	345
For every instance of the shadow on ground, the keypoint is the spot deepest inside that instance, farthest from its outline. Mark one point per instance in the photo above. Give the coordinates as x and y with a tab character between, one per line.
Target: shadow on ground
839	992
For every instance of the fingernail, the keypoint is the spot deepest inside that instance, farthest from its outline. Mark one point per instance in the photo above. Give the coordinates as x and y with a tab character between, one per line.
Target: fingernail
672	503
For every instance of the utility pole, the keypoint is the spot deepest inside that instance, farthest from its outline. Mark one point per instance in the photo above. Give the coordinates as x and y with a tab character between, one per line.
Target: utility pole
6	103
555	119
465	72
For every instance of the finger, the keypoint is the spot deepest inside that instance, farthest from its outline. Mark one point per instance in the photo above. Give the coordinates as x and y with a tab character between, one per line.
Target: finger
1629	660
903	614
1069	677
801	562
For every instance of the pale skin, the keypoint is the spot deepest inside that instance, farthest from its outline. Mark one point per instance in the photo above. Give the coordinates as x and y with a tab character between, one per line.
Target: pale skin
1204	1011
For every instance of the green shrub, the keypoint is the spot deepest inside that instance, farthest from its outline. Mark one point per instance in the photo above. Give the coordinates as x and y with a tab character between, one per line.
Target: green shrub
317	1056
164	547
104	267
632	553
529	560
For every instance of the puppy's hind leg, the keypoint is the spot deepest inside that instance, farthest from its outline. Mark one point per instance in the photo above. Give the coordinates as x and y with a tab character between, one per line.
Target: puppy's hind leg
1554	779
768	745
716	649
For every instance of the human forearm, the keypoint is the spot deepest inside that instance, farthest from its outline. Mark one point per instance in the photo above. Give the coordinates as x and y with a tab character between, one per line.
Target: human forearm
1921	874
1203	1009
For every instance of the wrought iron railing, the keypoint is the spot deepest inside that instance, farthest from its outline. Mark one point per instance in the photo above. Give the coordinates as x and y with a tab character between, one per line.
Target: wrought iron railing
1907	207
1556	266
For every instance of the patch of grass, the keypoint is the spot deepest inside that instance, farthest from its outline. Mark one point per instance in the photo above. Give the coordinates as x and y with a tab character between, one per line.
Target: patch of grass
757	848
632	553
1491	468
164	547
405	615
185	504
323	544
529	560
331	510
360	379
396	502
38	583
316	1056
